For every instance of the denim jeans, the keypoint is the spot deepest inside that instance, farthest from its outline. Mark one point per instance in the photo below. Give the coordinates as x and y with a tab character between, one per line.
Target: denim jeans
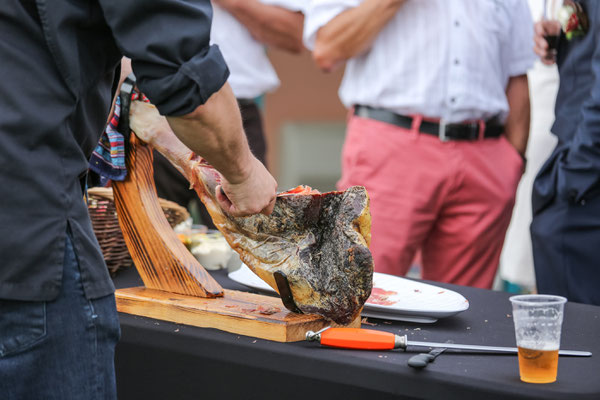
61	349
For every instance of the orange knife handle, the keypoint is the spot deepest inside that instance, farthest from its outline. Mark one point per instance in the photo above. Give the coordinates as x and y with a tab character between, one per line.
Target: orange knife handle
355	338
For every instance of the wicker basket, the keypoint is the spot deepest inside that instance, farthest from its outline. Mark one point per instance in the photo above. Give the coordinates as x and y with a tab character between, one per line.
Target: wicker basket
103	213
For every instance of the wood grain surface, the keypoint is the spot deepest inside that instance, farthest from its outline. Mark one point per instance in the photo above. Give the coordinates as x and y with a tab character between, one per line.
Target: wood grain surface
243	313
163	262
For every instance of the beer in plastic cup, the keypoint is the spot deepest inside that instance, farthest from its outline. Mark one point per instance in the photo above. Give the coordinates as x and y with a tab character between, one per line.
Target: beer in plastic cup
538	322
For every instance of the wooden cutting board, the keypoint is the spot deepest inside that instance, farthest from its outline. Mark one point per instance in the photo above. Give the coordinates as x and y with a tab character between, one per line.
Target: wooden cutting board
238	312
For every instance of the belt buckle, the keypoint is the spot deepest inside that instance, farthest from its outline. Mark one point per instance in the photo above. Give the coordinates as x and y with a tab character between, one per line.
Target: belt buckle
475	130
442	131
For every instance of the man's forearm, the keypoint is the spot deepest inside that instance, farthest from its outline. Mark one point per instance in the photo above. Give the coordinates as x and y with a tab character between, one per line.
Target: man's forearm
352	32
271	25
517	122
214	131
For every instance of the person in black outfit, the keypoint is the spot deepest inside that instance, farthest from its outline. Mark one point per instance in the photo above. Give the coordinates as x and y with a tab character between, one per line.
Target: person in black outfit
58	322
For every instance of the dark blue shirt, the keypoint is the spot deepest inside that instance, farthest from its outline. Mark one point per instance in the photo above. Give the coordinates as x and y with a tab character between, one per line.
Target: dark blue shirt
57	63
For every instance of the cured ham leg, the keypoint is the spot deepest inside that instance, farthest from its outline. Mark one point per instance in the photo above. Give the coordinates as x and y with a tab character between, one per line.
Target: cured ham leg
317	241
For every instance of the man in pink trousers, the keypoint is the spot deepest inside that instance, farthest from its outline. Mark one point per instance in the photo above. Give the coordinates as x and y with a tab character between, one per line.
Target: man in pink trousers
439	120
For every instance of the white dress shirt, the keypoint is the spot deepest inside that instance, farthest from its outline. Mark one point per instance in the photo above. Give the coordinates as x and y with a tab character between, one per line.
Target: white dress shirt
252	74
446	59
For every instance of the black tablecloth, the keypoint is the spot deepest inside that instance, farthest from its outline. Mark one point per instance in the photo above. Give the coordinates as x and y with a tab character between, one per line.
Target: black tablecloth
162	360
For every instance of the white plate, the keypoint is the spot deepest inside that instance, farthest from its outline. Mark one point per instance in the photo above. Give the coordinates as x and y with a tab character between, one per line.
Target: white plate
392	297
398	317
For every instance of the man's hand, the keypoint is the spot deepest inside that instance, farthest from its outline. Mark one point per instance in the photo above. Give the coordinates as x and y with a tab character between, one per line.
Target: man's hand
254	194
541	30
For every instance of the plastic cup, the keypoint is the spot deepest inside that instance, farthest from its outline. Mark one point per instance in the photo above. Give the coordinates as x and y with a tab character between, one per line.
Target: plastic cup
538	323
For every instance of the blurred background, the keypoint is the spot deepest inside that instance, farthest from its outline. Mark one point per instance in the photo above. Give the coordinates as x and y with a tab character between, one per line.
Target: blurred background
304	123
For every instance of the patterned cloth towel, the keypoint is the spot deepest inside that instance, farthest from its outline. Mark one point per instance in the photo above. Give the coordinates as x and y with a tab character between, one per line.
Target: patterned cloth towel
108	159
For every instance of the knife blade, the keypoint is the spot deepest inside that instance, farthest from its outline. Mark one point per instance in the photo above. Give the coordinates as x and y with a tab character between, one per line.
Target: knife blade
369	339
493	349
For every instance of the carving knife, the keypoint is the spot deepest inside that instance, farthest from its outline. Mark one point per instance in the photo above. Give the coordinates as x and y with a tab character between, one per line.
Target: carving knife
368	339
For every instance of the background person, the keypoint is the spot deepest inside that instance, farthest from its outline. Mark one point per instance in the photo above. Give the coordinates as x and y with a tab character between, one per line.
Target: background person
565	230
439	124
516	262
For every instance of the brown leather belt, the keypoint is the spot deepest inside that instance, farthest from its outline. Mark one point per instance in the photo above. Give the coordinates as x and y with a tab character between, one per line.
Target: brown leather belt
454	131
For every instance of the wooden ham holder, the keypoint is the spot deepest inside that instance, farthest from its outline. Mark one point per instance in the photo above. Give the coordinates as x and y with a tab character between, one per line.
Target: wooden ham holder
177	288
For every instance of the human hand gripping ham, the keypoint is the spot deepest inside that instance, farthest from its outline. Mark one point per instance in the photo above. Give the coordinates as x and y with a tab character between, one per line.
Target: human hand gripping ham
247	196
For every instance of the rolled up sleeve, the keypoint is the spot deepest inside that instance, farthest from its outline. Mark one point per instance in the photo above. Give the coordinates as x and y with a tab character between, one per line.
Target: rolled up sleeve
168	43
520	47
319	13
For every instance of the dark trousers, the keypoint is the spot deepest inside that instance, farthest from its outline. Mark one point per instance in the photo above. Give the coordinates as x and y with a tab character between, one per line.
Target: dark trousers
171	185
62	349
566	250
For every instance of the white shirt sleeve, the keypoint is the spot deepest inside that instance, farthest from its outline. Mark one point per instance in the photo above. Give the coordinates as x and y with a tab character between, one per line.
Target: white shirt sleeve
519	53
319	13
292	5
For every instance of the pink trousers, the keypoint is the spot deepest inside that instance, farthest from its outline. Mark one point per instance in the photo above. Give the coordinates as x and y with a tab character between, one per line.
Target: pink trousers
453	200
